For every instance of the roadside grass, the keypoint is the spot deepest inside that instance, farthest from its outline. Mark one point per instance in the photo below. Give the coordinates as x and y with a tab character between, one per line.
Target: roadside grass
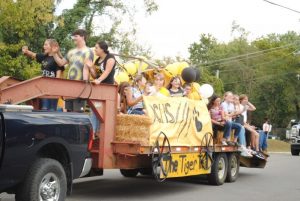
278	146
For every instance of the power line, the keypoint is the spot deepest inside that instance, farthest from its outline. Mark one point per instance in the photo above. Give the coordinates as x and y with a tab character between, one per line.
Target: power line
258	78
258	64
252	55
275	4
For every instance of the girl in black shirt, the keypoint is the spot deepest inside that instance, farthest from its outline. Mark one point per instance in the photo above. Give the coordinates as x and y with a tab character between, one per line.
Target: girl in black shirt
49	68
175	87
104	65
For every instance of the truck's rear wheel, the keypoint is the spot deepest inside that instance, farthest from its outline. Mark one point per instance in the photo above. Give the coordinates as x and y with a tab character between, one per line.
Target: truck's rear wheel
46	181
294	152
233	167
218	170
129	172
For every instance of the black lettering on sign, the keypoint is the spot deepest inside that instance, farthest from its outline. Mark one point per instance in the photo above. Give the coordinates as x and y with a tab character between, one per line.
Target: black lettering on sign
187	164
154	108
168	113
185	122
199	156
161	115
187	131
182	157
171	165
183	112
198	124
177	113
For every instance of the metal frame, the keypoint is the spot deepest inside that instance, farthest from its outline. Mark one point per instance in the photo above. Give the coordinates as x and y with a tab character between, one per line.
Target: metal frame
101	98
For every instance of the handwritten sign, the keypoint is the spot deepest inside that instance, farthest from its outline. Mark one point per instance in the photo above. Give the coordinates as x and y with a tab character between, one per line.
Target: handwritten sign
183	120
188	164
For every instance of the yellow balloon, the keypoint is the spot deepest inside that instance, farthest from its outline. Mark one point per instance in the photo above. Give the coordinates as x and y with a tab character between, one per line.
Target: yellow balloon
195	86
182	66
195	91
130	68
164	91
194	95
121	77
139	64
171	70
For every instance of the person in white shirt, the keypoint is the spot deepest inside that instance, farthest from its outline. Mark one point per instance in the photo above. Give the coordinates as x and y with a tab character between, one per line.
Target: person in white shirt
229	111
246	106
267	128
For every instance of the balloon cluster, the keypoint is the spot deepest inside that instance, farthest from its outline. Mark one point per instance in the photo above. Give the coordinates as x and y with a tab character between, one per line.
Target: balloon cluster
130	70
175	69
187	73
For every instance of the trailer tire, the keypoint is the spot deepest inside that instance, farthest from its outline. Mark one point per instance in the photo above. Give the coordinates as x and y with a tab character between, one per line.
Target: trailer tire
294	152
129	172
218	170
233	167
46	178
146	171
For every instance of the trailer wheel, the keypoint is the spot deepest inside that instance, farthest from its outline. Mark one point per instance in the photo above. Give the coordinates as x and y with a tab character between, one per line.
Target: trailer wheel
46	180
233	167
145	171
129	172
218	170
294	152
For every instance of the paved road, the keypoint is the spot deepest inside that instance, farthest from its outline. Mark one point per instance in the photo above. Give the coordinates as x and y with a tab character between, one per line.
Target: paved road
279	181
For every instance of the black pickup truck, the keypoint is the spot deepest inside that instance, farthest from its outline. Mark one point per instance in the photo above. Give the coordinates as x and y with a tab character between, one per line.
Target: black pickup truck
42	152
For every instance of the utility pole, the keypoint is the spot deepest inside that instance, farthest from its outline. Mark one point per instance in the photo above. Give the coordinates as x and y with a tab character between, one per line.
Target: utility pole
218	74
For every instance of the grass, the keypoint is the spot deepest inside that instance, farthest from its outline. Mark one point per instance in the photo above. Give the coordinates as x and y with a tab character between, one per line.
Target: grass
278	146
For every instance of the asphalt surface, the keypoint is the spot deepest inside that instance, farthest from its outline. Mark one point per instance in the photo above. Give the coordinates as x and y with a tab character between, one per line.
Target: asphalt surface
279	181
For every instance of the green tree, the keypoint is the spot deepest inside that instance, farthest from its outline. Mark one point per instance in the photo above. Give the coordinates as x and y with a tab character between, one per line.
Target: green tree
24	22
265	69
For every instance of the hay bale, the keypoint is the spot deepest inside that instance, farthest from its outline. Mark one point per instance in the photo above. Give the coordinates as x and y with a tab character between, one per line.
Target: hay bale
133	128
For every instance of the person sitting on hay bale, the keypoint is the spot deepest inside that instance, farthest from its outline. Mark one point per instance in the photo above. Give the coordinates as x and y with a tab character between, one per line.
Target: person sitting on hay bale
129	103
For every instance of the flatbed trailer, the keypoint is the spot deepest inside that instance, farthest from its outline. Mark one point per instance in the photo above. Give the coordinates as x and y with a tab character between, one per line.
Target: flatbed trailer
161	159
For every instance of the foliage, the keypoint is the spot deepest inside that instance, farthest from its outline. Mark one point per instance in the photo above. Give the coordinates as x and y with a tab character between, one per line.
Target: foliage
24	22
264	69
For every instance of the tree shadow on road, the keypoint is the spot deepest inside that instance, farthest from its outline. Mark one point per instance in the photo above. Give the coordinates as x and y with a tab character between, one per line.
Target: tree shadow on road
133	188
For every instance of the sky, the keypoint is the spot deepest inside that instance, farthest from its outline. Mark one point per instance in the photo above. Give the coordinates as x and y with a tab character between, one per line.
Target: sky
177	23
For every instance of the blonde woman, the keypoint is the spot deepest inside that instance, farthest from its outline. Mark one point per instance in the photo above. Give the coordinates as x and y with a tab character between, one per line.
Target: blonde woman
49	68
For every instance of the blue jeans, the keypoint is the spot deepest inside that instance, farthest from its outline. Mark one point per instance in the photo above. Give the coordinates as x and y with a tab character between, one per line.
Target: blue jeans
138	111
239	131
263	140
49	104
95	122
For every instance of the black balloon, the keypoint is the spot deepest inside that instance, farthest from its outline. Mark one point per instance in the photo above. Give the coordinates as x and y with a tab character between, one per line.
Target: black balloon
189	74
197	70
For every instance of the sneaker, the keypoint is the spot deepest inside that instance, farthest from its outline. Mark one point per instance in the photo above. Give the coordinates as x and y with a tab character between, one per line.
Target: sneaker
224	143
230	143
259	155
242	148
246	154
253	152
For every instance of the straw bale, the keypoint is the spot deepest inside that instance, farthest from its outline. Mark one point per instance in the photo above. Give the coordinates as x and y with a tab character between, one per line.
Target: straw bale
133	128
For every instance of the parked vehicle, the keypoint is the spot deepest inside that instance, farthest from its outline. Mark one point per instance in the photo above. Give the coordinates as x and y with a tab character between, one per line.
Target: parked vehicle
293	135
42	152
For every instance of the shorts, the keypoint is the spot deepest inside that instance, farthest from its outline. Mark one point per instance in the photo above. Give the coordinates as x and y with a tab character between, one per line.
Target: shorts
75	105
